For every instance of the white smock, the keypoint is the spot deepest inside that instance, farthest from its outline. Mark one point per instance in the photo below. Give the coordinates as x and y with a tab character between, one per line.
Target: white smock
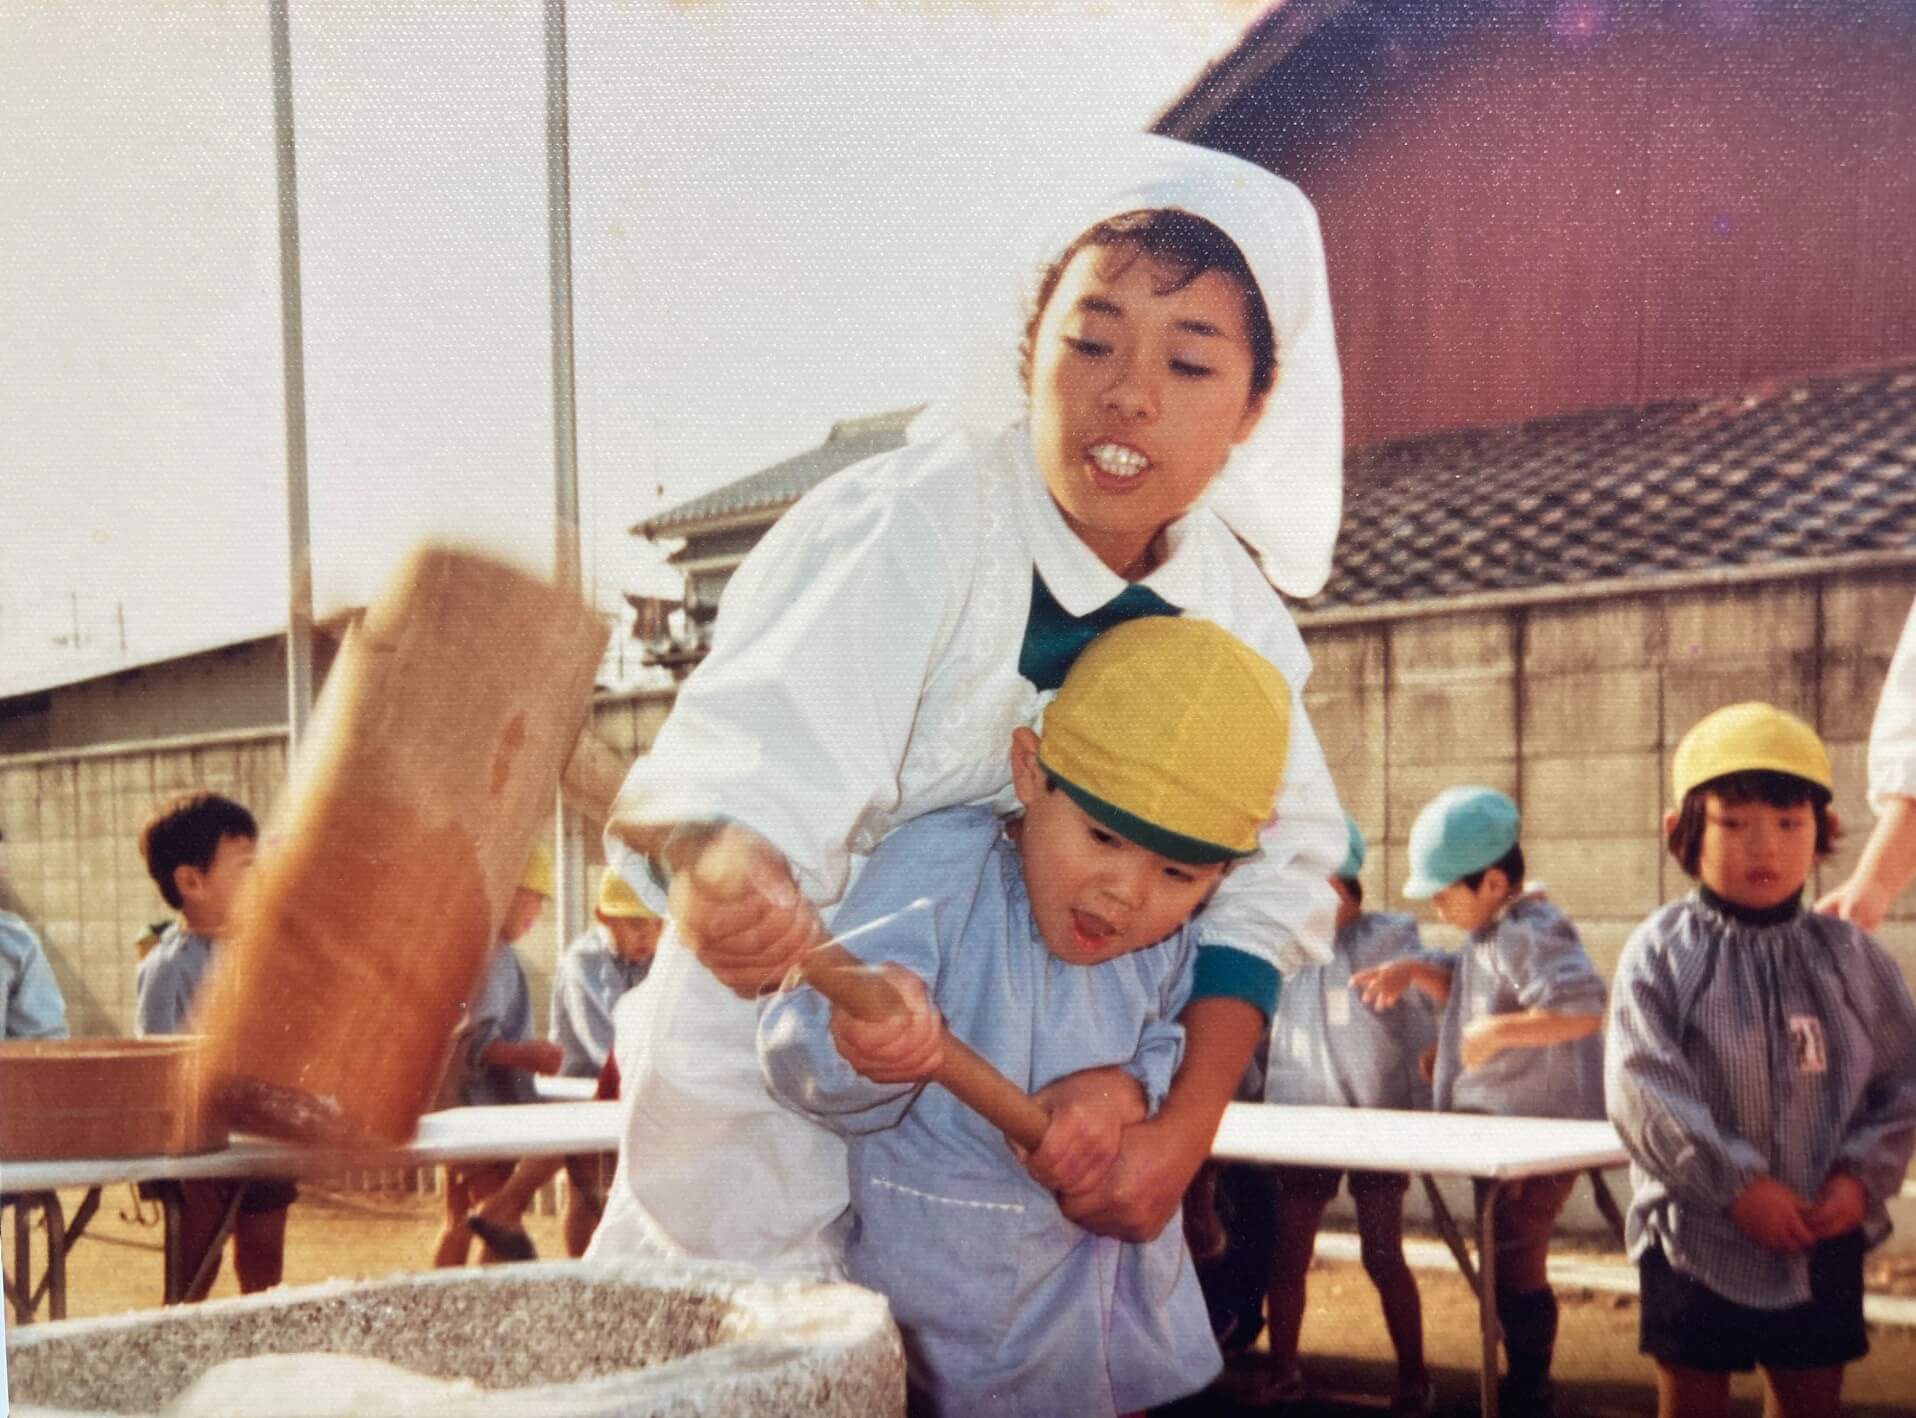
1892	736
864	671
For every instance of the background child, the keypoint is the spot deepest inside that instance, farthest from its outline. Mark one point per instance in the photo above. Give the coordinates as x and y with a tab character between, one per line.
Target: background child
612	956
495	1058
1519	1035
199	852
1762	1073
1179	406
1329	1051
1059	945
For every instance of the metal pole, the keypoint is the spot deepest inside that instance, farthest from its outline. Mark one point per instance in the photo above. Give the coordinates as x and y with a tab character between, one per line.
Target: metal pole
569	906
299	561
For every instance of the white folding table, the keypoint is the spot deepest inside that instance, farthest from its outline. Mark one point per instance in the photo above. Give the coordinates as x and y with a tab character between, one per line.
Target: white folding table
455	1135
1490	1149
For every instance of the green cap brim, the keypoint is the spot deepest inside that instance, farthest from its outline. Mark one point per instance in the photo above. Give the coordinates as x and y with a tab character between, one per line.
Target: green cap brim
1191	851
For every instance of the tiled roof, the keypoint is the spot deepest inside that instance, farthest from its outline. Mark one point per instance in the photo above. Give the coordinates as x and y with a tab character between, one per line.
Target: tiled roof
1813	467
774	489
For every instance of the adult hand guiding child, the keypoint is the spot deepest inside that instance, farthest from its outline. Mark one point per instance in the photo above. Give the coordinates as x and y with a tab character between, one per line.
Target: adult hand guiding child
1159	434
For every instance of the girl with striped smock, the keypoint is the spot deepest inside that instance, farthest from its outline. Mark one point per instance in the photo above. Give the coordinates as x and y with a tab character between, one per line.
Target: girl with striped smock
1761	1070
1166	441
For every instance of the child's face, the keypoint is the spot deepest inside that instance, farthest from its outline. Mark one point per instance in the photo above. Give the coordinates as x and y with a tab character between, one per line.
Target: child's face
1094	894
521	912
1472	909
1137	397
1753	854
209	897
634	938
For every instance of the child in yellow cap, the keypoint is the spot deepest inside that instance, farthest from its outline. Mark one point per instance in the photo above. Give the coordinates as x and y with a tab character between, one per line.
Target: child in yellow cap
495	1055
1761	1069
613	955
1061	948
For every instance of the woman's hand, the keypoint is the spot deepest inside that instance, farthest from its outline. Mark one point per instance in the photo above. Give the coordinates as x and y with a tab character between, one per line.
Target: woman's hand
906	1047
1141	1190
1089	1112
736	905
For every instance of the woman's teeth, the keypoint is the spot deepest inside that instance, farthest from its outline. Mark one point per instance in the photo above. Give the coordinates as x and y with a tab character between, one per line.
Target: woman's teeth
1119	461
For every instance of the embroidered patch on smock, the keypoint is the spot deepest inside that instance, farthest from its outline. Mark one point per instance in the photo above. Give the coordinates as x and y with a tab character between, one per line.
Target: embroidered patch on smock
1807	1051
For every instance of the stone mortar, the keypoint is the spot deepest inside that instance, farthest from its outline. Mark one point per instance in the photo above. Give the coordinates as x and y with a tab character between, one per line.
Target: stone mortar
658	1339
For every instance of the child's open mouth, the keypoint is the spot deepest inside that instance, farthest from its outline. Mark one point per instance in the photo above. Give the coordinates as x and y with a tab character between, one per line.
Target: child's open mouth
1092	933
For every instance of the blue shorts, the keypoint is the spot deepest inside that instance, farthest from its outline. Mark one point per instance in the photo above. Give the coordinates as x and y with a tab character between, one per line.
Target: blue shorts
1689	1325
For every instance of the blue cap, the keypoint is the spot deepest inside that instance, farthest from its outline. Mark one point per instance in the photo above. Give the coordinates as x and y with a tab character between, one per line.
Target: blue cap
1354	854
1460	831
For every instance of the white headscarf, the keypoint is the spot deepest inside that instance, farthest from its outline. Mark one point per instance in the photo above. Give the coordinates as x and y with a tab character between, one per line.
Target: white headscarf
1282	488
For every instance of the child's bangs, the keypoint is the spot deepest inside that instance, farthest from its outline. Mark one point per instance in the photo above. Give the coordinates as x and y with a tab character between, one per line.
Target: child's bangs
1765	786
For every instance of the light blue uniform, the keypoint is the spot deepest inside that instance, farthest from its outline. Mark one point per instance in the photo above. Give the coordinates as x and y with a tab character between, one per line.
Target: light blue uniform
1739	1050
500	1011
1328	1049
168	978
592	976
1530	957
31	1006
1006	1307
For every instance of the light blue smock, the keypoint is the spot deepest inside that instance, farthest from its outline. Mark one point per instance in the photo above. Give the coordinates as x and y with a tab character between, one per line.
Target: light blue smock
1740	1048
1529	957
499	1011
1006	1307
31	1006
1328	1049
167	979
592	976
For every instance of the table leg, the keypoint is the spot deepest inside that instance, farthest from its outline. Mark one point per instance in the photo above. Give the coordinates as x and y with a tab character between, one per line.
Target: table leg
210	1258
1487	1294
1606	1203
56	1277
1447	1228
20	1289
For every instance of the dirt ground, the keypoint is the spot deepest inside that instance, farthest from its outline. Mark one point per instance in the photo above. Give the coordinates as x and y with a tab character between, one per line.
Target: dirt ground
116	1268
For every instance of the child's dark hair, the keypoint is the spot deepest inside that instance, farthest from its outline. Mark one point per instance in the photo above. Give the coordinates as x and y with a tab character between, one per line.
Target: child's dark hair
186	833
1355	887
1753	785
1510	864
1177	239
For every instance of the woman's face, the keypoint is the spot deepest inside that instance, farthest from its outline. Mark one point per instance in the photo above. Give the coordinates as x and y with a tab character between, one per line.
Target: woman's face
1138	395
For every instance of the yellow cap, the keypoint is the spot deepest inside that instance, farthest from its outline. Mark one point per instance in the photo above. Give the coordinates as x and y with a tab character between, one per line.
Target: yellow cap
1173	733
1747	737
617	901
538	873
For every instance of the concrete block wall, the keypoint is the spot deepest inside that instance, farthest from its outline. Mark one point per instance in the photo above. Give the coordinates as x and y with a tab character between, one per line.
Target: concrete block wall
71	863
1575	708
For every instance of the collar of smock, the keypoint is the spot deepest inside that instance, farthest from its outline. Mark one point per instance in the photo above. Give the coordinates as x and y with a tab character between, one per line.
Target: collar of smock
1749	915
1076	578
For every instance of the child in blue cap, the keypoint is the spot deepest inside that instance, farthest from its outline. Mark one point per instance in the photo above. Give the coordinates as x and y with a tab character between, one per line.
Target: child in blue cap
1325	1052
1762	1073
1520	1035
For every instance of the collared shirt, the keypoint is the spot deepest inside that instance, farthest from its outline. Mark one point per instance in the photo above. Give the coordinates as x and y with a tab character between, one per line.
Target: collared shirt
592	976
1328	1049
865	672
167	979
1529	957
1740	1049
31	1006
1006	1307
1892	735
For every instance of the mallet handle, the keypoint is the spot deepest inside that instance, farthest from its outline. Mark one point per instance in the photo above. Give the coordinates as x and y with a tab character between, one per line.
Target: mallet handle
864	994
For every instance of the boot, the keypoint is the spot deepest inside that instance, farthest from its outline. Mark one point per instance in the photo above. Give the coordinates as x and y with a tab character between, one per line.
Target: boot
1529	1323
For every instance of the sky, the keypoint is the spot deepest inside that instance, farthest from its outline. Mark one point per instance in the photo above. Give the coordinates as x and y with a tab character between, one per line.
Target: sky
783	214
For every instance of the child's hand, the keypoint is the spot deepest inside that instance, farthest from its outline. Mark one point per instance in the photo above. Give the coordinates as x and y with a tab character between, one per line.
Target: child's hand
1089	1112
905	1048
735	903
1772	1215
1381	986
1839	1208
1480	1042
1427	1063
532	1055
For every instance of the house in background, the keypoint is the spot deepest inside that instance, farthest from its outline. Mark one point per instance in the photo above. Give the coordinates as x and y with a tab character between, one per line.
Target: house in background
719	528
1626	308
